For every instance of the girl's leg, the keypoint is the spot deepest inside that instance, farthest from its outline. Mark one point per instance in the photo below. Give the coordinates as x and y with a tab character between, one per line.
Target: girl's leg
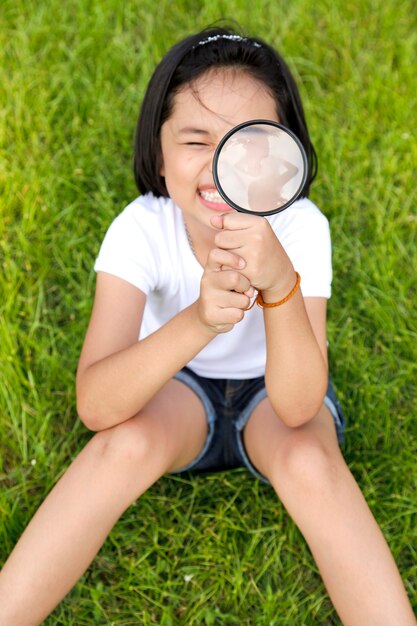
112	471
308	472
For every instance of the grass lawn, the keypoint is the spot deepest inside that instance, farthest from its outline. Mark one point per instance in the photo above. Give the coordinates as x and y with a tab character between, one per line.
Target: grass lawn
219	549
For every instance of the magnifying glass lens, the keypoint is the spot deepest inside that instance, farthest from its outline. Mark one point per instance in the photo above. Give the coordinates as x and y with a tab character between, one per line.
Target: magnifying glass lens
260	167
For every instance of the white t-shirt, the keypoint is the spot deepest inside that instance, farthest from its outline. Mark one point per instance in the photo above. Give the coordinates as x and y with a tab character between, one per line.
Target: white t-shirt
147	246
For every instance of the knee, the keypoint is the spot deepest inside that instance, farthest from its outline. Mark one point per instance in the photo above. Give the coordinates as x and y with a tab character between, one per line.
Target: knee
305	465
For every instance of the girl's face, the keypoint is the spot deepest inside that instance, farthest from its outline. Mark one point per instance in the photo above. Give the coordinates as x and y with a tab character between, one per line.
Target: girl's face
201	116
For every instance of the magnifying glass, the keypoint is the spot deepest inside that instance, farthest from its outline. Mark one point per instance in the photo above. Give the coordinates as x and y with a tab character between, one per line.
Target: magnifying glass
260	167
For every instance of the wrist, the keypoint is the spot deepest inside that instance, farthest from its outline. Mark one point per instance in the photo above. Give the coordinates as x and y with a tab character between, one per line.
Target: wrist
281	292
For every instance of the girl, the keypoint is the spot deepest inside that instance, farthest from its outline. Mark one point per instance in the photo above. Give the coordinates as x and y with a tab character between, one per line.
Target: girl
209	384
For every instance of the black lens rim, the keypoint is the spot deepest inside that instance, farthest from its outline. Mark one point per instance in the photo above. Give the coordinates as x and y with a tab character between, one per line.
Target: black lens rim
227	136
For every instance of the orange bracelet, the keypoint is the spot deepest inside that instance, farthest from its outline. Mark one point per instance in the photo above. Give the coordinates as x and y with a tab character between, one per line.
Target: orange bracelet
269	305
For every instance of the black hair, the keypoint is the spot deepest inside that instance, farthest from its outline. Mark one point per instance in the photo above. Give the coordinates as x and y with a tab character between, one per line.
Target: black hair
211	49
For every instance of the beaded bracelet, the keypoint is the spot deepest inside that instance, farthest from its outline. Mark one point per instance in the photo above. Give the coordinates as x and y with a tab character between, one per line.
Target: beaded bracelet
269	305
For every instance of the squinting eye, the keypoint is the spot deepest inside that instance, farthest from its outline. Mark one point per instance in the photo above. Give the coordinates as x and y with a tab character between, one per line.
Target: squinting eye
195	143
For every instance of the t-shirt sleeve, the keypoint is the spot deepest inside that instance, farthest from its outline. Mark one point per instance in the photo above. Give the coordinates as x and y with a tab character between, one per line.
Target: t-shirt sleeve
125	253
305	235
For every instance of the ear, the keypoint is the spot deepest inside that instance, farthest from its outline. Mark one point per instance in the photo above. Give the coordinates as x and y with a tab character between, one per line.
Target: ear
162	167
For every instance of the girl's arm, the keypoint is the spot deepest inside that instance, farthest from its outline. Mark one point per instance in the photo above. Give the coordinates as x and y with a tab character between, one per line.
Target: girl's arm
296	366
117	374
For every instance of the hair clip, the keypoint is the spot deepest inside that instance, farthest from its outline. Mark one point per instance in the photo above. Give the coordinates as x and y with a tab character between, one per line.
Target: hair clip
230	37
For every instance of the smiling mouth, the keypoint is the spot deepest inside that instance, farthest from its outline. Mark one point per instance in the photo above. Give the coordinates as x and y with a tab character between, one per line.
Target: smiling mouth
211	196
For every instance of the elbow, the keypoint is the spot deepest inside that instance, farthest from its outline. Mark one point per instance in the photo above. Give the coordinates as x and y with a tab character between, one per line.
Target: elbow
295	417
298	411
97	415
91	407
91	415
86	409
88	418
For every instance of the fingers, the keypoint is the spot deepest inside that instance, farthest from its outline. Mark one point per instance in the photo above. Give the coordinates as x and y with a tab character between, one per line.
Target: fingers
235	221
236	230
252	238
223	299
232	281
219	259
226	281
221	310
225	292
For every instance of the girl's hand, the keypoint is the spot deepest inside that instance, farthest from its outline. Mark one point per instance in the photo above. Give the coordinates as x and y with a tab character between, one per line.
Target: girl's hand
268	267
224	292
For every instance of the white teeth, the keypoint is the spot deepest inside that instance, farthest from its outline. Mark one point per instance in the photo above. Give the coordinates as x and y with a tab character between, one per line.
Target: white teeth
211	196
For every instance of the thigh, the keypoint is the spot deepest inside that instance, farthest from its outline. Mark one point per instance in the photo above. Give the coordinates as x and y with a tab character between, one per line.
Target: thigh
268	441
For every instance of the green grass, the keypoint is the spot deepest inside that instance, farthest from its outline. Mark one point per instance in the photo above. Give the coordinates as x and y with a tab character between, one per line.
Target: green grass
219	549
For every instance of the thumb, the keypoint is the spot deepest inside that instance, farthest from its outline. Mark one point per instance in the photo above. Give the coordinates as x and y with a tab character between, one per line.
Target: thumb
217	221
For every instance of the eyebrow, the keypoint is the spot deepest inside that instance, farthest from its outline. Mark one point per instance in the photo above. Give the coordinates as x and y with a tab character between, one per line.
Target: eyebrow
190	130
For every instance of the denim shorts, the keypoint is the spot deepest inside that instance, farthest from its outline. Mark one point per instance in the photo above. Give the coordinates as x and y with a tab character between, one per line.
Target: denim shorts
228	404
